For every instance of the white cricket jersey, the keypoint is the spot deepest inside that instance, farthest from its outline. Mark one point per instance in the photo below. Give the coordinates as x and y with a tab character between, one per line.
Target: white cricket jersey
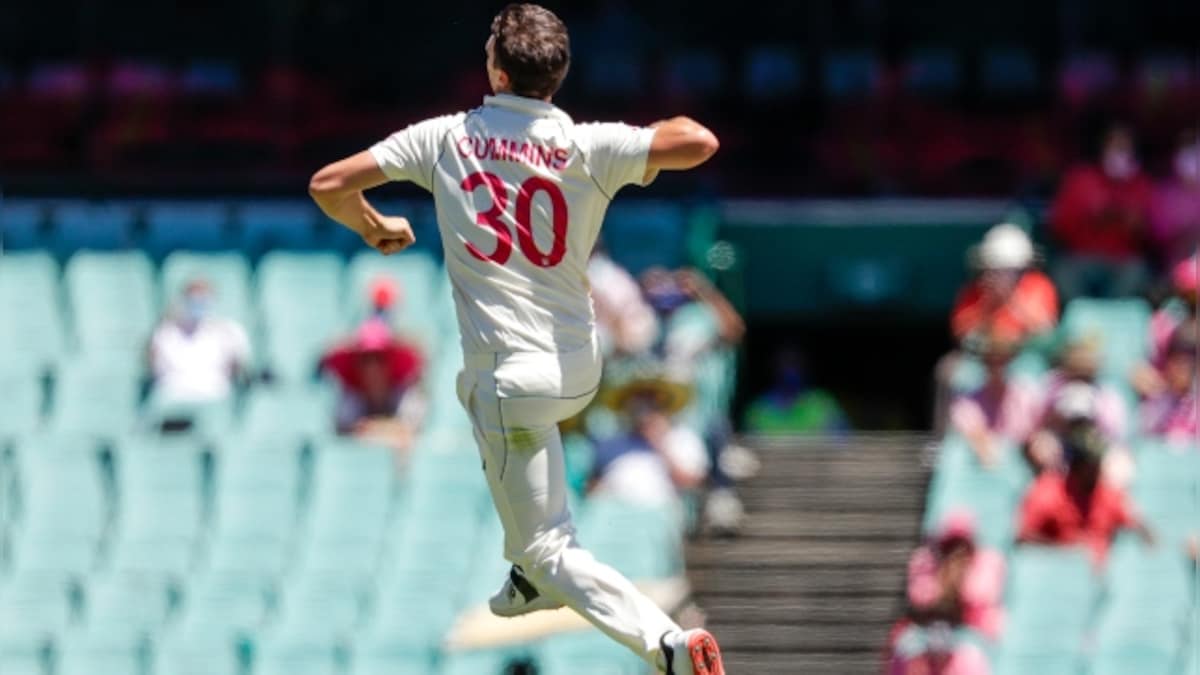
521	191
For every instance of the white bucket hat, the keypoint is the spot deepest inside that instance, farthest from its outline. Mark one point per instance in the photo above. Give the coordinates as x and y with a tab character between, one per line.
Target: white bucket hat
1005	246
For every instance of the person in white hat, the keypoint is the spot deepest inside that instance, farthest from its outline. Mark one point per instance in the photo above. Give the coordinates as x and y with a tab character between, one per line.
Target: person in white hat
1007	300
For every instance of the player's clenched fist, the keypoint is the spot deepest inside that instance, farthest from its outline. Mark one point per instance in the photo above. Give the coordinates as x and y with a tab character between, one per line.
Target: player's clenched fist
388	234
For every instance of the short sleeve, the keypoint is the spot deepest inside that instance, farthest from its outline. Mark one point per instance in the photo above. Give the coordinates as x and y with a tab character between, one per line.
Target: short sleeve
687	451
410	154
617	153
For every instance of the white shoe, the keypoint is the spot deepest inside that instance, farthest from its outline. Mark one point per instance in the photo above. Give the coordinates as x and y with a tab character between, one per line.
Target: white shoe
518	597
692	652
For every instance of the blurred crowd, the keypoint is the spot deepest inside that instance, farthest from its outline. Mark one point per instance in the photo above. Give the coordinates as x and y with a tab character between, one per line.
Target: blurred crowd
1073	370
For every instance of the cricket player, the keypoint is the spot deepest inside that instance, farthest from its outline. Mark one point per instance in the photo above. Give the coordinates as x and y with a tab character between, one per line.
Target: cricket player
521	191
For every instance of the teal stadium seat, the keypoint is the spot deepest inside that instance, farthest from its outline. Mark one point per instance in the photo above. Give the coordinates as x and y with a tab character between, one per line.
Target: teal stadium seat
1052	593
299	296
299	645
640	542
88	226
227	273
183	653
486	661
256	510
129	604
21	225
220	605
352	497
186	226
297	410
34	607
29	293
112	298
160	506
22	651
95	398
1121	325
416	275
96	650
991	494
1166	489
329	601
276	225
21	413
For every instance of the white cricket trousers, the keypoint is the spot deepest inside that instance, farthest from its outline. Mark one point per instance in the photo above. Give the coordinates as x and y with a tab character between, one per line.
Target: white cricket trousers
515	402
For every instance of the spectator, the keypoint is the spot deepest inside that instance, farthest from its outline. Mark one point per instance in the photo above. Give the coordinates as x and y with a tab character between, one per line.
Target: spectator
1075	507
1079	361
378	376
1003	409
952	579
625	322
1008	300
656	459
196	357
1099	217
1175	209
1147	378
791	406
1072	405
1170	412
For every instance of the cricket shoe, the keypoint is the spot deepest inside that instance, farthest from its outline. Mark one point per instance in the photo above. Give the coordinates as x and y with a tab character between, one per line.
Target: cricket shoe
691	652
518	597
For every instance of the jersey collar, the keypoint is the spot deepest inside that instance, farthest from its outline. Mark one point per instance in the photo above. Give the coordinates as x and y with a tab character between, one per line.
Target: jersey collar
529	106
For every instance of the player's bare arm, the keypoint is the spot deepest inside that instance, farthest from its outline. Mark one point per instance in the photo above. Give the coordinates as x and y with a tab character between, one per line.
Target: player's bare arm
679	143
338	190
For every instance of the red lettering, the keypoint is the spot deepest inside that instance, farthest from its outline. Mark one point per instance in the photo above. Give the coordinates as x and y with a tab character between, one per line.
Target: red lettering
467	151
544	155
560	159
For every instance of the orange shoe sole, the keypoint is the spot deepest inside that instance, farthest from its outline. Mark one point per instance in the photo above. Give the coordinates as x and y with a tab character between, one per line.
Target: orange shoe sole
706	656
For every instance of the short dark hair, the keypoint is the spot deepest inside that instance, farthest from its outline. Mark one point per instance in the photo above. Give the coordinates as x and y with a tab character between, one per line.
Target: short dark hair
530	44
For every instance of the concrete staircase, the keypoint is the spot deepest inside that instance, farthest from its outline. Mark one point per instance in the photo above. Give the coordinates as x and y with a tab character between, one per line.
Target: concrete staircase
816	578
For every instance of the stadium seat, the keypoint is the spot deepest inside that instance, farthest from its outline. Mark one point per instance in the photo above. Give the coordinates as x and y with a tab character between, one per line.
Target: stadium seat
128	603
1009	70
490	661
21	225
1121	325
851	73
415	274
184	653
22	410
222	604
97	650
63	510
642	543
22	651
227	273
1052	592
933	70
95	398
112	298
256	511
298	646
772	71
160	505
299	296
333	602
34	607
1018	663
29	290
92	226
1139	660
991	494
183	226
204	420
645	234
297	410
276	225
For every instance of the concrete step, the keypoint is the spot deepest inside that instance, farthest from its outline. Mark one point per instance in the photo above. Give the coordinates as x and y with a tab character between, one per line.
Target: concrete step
797	637
783	609
805	663
805	524
754	553
826	581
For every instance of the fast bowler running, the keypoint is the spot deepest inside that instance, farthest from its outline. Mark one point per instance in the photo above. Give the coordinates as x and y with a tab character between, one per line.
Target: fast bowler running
521	191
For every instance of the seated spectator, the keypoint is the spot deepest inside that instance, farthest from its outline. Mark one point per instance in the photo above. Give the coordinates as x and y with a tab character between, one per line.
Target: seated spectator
655	460
1147	377
952	579
791	406
625	323
695	316
379	394
1004	408
1099	217
1072	405
935	650
1170	412
1073	506
1079	361
1175	206
1008	300
196	357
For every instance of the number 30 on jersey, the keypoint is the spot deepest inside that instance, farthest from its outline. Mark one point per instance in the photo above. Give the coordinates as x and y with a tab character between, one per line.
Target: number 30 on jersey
491	219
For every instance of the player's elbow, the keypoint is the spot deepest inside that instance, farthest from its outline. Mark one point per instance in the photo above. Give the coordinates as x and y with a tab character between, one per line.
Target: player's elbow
706	144
325	184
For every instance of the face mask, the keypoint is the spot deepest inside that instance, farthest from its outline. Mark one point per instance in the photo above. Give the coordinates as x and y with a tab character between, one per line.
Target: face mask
1187	164
195	308
1120	164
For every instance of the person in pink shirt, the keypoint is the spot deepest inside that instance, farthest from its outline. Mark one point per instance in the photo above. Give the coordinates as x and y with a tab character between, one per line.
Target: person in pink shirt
1003	409
1171	413
1175	204
1079	361
952	579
